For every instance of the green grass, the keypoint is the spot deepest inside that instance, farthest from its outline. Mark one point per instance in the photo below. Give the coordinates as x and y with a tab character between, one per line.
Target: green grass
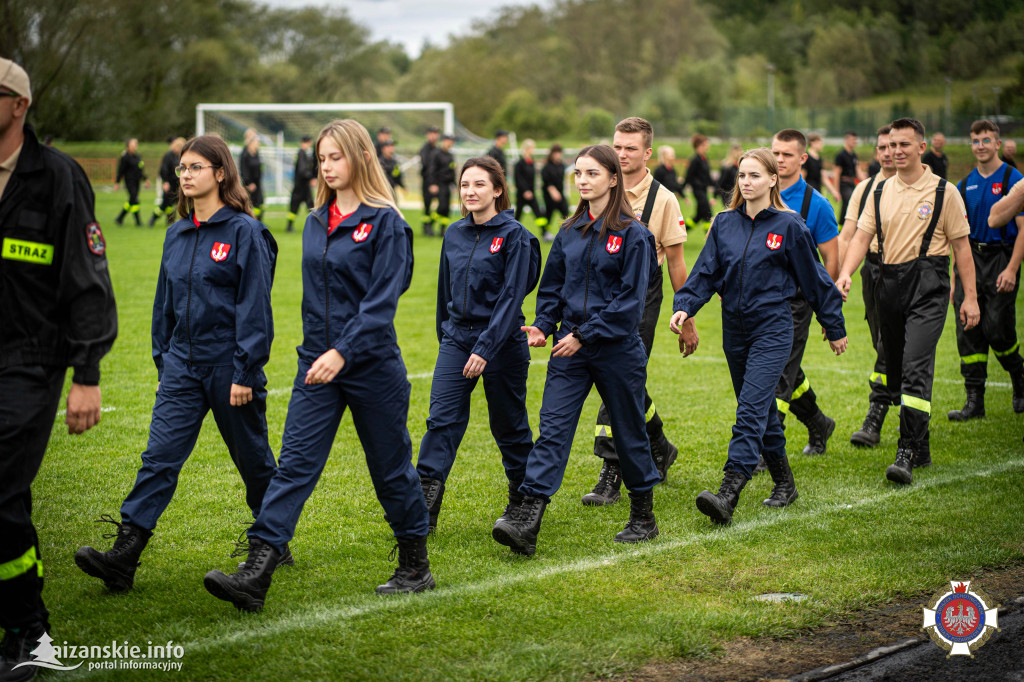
584	607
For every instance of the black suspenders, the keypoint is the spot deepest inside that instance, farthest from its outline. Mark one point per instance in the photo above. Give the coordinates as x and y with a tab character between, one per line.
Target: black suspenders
806	208
864	197
652	194
926	241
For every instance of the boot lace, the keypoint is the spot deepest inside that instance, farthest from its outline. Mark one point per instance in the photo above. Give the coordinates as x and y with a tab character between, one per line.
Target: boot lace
124	538
903	458
607	480
253	552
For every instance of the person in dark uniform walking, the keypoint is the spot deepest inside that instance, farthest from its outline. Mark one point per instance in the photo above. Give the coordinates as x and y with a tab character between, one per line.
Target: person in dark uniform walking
251	171
212	330
526	186
997	254
912	292
552	179
426	155
304	181
391	167
443	177
934	158
383	139
356	262
59	312
727	176
497	150
132	170
593	290
489	263
698	178
757	236
168	182
665	171
846	169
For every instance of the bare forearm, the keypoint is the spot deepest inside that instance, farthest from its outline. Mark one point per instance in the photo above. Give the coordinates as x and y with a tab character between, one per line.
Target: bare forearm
1003	210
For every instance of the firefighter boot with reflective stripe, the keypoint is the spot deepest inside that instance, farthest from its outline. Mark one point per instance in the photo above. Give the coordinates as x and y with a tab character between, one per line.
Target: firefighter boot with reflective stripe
871	432
902	470
606	490
433	493
1017	379
247	588
784	492
819	430
117	567
413	572
719	507
642	524
518	531
16	649
974	407
665	455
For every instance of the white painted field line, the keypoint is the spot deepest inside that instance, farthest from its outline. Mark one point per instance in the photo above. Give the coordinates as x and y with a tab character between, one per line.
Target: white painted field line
373	604
109	408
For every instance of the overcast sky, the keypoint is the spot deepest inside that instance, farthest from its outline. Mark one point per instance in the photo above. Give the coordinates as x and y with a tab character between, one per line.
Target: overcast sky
412	22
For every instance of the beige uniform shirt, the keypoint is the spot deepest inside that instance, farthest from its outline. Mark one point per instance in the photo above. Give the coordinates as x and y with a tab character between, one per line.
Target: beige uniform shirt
854	204
907	212
666	219
7	169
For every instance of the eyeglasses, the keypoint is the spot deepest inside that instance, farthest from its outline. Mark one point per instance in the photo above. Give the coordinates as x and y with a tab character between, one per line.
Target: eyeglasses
984	141
194	169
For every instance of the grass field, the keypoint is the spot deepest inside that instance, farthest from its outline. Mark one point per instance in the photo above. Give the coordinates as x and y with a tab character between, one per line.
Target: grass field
583	607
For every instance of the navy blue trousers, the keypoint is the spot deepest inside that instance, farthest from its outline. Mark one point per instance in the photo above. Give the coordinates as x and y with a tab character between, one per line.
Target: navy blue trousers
504	380
377	392
185	395
619	370
757	349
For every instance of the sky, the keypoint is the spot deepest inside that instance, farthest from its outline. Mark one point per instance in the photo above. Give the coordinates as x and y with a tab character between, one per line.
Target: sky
412	22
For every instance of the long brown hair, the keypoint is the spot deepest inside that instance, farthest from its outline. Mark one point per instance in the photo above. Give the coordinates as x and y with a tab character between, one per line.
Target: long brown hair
764	156
214	150
366	177
497	175
617	212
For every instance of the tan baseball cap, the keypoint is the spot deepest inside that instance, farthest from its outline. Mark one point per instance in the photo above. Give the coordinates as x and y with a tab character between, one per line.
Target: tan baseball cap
14	78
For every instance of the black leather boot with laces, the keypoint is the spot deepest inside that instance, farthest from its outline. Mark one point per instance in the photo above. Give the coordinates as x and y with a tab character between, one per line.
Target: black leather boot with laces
606	491
117	567
719	507
819	430
974	406
247	588
433	493
518	530
784	492
871	432
902	470
514	498
642	524
413	572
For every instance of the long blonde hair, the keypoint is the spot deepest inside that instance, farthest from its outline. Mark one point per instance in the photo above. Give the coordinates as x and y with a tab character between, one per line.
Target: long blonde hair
366	177
764	156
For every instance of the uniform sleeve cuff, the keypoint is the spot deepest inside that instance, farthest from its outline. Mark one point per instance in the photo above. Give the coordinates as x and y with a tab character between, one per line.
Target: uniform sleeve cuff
87	376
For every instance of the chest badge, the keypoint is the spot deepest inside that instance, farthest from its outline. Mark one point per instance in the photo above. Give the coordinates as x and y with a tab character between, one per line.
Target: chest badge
362	232
220	251
614	244
997	188
97	244
774	241
496	244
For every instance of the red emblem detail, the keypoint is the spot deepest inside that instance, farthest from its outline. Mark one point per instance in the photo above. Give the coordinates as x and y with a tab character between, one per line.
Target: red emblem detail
960	617
774	241
496	244
960	588
614	244
220	251
361	232
94	235
997	188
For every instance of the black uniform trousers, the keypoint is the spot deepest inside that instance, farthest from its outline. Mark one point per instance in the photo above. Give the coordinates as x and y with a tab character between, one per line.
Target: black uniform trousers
444	206
169	202
538	215
302	193
998	317
29	396
793	392
551	205
878	381
428	201
845	192
912	299
132	205
703	214
604	445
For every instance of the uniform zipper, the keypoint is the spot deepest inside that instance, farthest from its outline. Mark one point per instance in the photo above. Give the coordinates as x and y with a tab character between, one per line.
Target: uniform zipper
465	299
586	288
188	303
327	290
743	268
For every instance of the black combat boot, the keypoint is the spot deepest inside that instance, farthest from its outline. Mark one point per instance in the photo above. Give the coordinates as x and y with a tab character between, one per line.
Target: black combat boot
152	218
285	558
871	432
902	470
120	217
784	492
117	567
664	454
247	588
433	493
606	490
922	457
819	430
974	407
514	498
518	530
413	572
16	649
719	507
1017	380
641	525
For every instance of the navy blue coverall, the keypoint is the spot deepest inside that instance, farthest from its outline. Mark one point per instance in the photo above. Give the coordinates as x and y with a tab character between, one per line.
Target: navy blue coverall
756	266
486	271
212	327
594	286
351	280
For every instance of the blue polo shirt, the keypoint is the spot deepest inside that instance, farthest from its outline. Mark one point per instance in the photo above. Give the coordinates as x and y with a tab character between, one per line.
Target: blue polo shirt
821	219
981	193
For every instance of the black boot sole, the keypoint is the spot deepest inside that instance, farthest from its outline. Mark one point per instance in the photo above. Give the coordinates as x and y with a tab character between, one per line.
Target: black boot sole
422	586
216	584
633	539
709	505
959	416
865	439
899	475
506	534
115	581
592	500
778	504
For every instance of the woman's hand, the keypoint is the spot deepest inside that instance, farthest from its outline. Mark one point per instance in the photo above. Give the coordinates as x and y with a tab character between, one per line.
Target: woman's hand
325	368
567	347
675	325
535	337
474	366
240	395
838	347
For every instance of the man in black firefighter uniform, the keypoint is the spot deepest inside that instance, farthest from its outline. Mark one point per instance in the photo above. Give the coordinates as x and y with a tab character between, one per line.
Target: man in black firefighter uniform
305	177
59	312
443	176
132	170
169	182
392	169
497	150
427	152
918	217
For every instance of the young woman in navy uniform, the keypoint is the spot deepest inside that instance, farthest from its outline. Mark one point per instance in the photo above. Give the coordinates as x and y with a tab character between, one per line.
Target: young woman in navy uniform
489	263
756	255
593	291
356	261
212	331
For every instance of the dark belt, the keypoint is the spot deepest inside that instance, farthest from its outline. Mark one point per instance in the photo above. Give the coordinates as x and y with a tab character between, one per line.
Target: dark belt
989	247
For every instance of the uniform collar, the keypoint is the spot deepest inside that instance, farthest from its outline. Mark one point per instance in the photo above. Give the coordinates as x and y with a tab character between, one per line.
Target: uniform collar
361	214
31	157
499	219
921	183
223	214
796	187
643	186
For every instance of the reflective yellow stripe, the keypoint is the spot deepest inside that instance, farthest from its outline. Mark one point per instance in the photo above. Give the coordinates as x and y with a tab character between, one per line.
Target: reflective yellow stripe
782	405
1003	354
801	389
972	359
21	565
291	216
29	252
917	403
602	430
878	378
650	413
135	208
127	206
541	222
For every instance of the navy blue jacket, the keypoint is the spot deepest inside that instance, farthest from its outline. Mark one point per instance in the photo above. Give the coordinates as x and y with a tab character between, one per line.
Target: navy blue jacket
756	265
486	272
595	284
212	303
351	281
